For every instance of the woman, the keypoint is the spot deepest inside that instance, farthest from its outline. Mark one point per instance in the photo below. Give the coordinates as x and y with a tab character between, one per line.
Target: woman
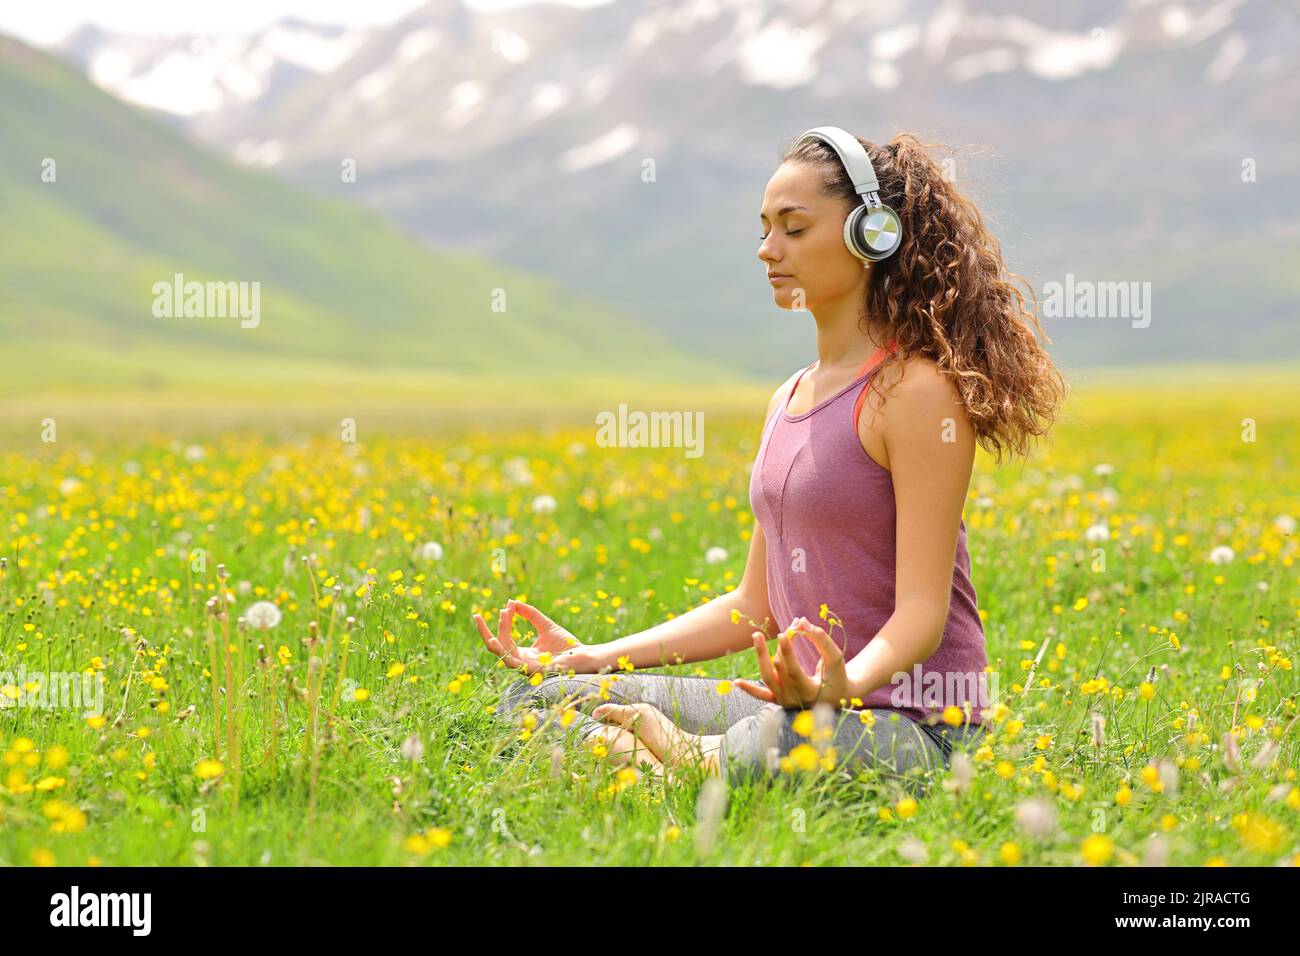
858	503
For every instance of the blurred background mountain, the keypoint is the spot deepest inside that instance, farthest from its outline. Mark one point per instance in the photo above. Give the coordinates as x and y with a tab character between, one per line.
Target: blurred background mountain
507	149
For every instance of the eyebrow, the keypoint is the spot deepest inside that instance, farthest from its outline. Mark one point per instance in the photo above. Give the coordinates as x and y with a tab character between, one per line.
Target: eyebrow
783	211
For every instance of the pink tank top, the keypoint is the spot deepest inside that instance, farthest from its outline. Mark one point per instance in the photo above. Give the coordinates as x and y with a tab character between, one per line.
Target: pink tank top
827	510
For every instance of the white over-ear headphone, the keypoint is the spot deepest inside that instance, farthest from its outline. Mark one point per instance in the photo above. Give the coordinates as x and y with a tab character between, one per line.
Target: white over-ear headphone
872	231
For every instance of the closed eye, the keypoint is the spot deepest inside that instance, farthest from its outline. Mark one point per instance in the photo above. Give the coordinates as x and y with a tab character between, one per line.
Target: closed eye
795	233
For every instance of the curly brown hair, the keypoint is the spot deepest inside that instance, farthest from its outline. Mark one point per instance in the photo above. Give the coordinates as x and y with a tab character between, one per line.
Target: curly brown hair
947	294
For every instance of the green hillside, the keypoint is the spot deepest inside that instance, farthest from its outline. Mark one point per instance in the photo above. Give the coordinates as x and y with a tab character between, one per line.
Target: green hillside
133	203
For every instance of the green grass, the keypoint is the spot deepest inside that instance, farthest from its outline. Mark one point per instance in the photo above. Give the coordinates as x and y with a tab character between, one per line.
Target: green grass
113	552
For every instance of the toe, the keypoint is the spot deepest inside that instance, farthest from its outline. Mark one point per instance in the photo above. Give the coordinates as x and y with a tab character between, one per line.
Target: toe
611	713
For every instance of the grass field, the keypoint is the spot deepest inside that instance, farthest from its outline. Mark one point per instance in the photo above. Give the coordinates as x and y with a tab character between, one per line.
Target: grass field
1148	551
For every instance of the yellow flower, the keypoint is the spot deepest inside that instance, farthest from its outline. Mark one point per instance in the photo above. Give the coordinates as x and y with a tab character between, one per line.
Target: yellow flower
46	784
672	834
805	757
454	686
724	687
1043	742
360	694
416	843
66	818
953	716
1080	603
395	669
625	778
1005	769
1146	691
1123	796
1009	854
208	769
906	808
544	658
1097	849
56	758
735	616
42	857
625	663
1259	833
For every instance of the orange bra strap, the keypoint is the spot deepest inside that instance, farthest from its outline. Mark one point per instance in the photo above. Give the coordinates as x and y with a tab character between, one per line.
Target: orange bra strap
871	363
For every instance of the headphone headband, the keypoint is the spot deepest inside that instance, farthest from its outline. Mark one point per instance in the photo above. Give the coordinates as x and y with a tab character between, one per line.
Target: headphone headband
872	231
854	158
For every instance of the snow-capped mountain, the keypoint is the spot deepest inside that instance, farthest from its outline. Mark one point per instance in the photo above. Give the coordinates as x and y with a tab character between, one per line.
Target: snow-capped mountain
488	130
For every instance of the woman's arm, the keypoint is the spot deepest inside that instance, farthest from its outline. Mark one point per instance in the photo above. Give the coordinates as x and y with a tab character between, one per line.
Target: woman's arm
704	632
931	447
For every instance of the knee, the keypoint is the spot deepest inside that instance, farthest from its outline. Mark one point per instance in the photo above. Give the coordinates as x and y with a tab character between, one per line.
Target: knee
550	690
752	748
900	750
519	693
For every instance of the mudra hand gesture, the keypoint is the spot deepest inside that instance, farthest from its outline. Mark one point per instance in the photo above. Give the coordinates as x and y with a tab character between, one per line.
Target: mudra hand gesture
555	649
787	683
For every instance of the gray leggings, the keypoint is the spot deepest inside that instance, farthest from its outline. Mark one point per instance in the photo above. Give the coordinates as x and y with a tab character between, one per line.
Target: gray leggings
896	746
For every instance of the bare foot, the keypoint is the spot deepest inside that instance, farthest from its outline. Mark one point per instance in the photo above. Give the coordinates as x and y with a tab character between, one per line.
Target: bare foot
673	746
623	748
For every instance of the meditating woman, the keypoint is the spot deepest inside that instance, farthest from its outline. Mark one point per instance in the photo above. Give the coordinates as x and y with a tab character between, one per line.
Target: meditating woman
858	564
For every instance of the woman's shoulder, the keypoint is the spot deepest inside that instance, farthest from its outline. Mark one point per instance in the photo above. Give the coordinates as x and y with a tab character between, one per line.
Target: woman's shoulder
782	391
910	392
919	378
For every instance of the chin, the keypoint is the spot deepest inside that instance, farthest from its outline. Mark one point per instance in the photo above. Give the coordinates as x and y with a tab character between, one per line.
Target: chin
785	300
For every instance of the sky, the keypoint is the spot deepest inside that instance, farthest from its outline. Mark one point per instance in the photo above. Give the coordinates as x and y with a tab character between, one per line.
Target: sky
45	22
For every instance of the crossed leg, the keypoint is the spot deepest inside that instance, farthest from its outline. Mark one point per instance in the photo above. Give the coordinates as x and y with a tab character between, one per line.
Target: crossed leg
629	713
684	721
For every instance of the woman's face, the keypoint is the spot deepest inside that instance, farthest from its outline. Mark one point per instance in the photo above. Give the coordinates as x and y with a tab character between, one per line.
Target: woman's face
804	233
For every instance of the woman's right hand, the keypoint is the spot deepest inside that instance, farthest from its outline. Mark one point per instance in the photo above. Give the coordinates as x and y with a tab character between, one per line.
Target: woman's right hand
554	649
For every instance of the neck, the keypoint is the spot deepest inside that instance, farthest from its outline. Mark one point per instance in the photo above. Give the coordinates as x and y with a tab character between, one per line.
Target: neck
840	340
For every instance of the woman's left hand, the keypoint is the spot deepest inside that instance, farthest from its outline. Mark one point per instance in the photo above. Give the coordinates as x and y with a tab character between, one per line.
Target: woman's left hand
787	684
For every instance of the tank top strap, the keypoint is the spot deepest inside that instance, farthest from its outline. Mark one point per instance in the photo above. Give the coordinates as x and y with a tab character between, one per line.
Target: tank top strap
785	405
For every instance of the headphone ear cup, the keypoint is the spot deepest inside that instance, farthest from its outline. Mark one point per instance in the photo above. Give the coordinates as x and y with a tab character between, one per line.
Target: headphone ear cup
873	233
